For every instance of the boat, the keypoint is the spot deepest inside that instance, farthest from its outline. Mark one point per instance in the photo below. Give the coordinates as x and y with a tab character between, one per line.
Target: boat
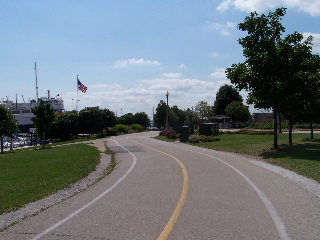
22	110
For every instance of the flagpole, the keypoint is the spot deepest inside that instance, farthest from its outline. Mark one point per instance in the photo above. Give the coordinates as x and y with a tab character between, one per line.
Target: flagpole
77	94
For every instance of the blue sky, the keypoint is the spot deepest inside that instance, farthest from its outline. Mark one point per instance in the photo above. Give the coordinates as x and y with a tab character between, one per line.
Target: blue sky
129	53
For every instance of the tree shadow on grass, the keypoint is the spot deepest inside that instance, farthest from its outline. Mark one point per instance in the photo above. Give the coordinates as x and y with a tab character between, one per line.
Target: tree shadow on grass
308	150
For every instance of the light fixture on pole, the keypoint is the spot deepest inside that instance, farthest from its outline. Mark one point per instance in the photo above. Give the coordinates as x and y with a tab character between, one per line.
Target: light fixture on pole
167	115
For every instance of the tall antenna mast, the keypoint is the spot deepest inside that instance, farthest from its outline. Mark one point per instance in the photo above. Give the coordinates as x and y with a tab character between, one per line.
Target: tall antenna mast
35	70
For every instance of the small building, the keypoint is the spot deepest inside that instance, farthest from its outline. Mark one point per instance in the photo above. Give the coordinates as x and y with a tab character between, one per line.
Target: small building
222	120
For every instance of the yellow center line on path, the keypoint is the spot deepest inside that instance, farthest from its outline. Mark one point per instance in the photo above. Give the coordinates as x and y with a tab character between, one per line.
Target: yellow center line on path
184	192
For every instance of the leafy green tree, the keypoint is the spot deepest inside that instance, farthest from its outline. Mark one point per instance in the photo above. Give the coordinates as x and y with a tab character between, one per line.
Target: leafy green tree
238	111
43	120
8	125
160	115
275	70
93	120
127	119
142	119
310	99
225	95
179	116
203	110
259	74
195	118
298	70
66	125
189	115
108	118
173	118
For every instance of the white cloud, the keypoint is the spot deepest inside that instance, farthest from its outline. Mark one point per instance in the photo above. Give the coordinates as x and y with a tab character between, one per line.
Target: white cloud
184	92
219	73
182	66
222	28
214	54
105	86
133	61
316	40
178	84
224	5
311	7
171	75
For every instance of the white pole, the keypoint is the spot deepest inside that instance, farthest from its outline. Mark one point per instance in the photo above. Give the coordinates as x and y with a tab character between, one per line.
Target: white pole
77	95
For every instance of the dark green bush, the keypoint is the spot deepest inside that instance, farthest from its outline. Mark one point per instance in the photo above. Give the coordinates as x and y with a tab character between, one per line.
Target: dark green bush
121	128
136	127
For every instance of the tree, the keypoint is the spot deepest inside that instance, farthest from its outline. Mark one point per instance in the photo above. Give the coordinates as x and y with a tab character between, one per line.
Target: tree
179	116
311	104
108	118
189	115
238	111
142	119
43	120
204	110
93	120
88	120
66	125
259	74
225	95
275	70
160	115
8	125
127	119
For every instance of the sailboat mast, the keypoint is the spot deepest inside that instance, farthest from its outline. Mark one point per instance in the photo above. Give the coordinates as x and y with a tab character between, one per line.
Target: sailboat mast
35	70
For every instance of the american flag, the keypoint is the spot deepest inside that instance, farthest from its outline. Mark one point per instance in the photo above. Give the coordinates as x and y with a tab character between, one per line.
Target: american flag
82	87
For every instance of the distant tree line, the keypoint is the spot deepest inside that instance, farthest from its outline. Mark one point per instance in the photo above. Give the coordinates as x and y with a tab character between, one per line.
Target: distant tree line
228	102
90	120
66	126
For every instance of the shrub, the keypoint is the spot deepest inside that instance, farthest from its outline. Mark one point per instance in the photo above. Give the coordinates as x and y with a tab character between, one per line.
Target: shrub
136	128
121	128
169	133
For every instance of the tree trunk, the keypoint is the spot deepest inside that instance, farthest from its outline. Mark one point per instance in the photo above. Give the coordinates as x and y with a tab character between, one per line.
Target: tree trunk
290	129
275	129
311	130
280	123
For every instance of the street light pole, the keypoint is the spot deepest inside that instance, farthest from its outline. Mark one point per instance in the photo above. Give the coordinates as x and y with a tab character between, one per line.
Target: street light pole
167	116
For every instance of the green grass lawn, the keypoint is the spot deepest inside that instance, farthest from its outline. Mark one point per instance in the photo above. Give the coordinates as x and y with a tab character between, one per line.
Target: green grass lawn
29	175
303	157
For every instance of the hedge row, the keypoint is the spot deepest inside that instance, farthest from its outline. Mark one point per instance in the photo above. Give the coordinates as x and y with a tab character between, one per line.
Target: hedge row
122	128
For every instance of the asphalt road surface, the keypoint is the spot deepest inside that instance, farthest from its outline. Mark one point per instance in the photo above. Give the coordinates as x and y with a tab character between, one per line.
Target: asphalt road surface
163	190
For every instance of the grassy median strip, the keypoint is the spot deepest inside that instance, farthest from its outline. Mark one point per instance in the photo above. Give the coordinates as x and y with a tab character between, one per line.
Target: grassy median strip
29	175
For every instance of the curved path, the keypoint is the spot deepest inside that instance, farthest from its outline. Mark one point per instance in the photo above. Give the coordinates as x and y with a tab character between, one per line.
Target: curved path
163	190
